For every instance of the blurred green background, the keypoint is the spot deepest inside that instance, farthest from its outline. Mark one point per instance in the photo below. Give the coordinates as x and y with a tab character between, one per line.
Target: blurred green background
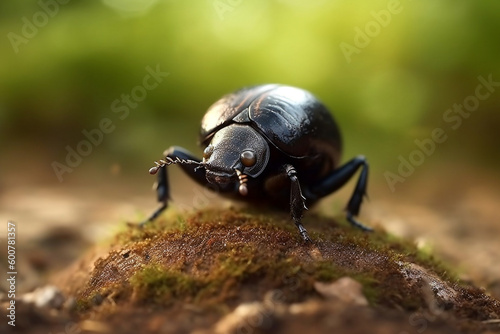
63	65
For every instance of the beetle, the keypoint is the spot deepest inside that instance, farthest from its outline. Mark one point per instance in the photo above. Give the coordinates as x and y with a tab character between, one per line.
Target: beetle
273	144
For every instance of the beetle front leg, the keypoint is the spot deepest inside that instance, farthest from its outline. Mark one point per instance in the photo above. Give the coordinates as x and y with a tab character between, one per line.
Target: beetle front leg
162	184
163	194
338	178
297	201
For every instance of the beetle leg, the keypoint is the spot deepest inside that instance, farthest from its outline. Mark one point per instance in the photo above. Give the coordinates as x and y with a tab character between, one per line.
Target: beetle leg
297	201
162	185
162	192
339	178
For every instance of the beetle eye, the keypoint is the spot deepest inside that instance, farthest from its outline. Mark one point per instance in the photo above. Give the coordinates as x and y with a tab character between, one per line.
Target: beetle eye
208	152
248	158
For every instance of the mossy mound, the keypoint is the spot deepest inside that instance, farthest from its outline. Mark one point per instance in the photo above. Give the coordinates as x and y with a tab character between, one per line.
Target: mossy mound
218	259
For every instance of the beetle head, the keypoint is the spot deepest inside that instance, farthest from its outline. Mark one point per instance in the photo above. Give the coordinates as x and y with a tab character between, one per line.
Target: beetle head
235	151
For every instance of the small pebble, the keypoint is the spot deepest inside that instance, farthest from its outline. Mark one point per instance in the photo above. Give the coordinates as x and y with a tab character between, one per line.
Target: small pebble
344	289
47	296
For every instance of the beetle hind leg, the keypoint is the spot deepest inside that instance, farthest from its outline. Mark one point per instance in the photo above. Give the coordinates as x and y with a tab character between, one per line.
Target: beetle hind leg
339	178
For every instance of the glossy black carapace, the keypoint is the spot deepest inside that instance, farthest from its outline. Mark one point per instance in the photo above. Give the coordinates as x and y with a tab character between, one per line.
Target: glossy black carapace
270	144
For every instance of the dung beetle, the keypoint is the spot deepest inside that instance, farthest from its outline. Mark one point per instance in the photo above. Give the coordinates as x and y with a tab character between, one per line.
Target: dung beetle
272	144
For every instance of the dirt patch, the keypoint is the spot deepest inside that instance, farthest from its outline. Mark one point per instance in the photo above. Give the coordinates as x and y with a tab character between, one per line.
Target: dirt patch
235	271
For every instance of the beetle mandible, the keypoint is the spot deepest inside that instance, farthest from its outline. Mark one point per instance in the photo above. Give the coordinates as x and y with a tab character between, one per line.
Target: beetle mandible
269	144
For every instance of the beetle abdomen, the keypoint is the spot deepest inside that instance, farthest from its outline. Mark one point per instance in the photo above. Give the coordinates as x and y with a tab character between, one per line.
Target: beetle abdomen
295	122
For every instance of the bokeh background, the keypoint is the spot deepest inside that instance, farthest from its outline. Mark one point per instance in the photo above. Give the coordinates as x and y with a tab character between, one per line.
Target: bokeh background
388	70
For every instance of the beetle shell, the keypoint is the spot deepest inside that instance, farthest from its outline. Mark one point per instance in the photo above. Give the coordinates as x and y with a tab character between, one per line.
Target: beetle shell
291	119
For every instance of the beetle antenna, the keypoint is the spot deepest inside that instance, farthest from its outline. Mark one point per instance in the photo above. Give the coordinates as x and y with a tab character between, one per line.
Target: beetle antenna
172	161
243	178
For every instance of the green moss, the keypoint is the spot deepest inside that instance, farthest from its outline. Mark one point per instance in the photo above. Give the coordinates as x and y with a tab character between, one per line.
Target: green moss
160	285
83	304
219	256
129	233
97	297
326	272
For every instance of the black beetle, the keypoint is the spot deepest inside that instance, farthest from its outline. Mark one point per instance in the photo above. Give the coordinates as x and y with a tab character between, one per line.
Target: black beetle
269	144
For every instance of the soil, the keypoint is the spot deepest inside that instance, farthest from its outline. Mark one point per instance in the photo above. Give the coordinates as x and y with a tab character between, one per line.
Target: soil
184	275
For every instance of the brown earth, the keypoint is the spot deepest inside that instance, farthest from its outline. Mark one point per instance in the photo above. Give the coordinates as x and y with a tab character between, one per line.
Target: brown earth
231	271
